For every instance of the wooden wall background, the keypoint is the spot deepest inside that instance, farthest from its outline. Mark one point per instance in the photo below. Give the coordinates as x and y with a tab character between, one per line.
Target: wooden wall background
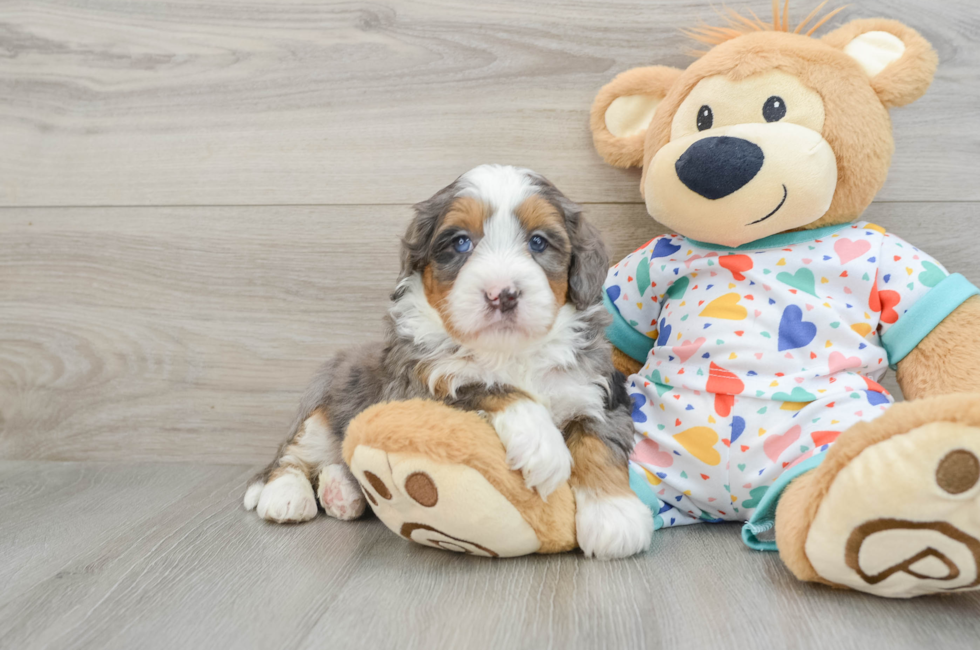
200	201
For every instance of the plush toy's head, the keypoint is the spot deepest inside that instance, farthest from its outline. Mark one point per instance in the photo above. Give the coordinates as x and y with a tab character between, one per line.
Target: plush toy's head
770	130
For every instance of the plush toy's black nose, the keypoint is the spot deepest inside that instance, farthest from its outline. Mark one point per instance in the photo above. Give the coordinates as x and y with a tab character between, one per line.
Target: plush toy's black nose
716	167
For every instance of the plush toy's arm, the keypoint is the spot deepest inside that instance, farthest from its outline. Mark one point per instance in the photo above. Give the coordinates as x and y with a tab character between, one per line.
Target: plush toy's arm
625	363
946	361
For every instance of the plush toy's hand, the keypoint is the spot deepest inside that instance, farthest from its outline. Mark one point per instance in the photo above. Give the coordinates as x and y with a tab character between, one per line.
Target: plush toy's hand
946	360
534	446
625	363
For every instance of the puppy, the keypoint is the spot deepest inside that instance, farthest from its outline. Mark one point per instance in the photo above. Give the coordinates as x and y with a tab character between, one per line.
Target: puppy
497	310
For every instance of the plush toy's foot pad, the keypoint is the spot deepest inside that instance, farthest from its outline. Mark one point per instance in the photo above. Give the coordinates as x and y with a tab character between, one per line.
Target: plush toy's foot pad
902	518
444	505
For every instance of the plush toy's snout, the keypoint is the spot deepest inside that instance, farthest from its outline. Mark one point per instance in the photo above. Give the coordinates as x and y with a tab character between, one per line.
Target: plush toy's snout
741	182
718	166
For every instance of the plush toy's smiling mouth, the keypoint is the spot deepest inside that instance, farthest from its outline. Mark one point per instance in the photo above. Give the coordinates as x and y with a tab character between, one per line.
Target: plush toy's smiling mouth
785	193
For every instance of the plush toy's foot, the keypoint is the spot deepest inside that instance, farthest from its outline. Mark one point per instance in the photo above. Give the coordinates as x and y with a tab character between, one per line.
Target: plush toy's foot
439	477
894	510
448	506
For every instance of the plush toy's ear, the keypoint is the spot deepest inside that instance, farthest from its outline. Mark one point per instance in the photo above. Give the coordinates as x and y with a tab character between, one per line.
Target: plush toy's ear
898	60
624	108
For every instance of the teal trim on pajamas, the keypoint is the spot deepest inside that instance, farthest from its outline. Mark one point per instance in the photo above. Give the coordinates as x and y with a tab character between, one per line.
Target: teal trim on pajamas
924	316
642	489
624	337
779	240
764	517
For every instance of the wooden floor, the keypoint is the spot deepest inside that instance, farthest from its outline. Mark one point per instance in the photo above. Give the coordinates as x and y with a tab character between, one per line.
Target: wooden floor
161	556
201	201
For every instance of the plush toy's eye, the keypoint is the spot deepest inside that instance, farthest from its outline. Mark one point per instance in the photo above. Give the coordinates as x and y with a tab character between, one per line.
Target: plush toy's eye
462	244
705	118
537	243
774	109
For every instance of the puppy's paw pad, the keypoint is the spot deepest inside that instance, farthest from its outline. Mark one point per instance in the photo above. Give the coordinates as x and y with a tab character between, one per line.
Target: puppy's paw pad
611	527
339	493
288	498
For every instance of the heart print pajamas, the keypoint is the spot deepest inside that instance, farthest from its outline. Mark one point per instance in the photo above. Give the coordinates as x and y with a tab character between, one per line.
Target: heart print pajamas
758	357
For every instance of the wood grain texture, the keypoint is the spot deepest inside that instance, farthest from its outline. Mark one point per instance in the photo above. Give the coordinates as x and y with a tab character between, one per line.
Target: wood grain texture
163	556
189	333
184	333
114	102
302	130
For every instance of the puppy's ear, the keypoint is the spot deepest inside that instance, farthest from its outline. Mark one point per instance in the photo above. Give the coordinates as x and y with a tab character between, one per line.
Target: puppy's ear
900	63
589	262
418	238
589	266
623	110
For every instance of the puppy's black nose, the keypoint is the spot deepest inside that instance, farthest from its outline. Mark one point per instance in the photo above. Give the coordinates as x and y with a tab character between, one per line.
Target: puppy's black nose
716	167
508	300
505	301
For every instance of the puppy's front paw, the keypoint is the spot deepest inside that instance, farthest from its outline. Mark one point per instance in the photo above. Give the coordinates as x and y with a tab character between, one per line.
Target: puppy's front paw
288	498
610	527
534	446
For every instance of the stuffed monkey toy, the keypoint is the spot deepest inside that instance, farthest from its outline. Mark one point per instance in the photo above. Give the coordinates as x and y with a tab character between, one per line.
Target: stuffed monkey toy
755	337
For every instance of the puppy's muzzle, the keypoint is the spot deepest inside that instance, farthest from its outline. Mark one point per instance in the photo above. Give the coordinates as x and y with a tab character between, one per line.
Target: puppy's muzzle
719	166
505	300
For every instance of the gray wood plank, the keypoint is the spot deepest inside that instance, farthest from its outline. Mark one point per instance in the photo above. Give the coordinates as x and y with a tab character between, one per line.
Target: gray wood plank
191	569
168	577
183	333
299	102
189	333
55	513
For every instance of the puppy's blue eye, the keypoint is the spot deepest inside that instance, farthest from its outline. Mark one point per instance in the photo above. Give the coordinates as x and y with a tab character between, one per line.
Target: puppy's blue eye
537	243
462	244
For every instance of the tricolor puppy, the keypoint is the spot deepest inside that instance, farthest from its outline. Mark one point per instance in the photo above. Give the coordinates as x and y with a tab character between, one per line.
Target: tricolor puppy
497	310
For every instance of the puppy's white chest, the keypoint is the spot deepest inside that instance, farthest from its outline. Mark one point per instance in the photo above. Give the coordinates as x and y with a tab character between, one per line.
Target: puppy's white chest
567	394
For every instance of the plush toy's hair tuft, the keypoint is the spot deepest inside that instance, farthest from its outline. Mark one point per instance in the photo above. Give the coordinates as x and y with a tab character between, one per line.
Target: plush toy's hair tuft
739	25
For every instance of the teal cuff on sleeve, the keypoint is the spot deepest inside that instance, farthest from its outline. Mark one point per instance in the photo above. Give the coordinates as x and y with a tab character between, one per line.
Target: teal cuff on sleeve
623	336
763	519
644	491
923	317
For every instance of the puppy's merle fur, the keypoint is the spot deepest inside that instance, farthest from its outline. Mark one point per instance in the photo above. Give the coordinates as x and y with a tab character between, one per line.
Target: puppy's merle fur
353	380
